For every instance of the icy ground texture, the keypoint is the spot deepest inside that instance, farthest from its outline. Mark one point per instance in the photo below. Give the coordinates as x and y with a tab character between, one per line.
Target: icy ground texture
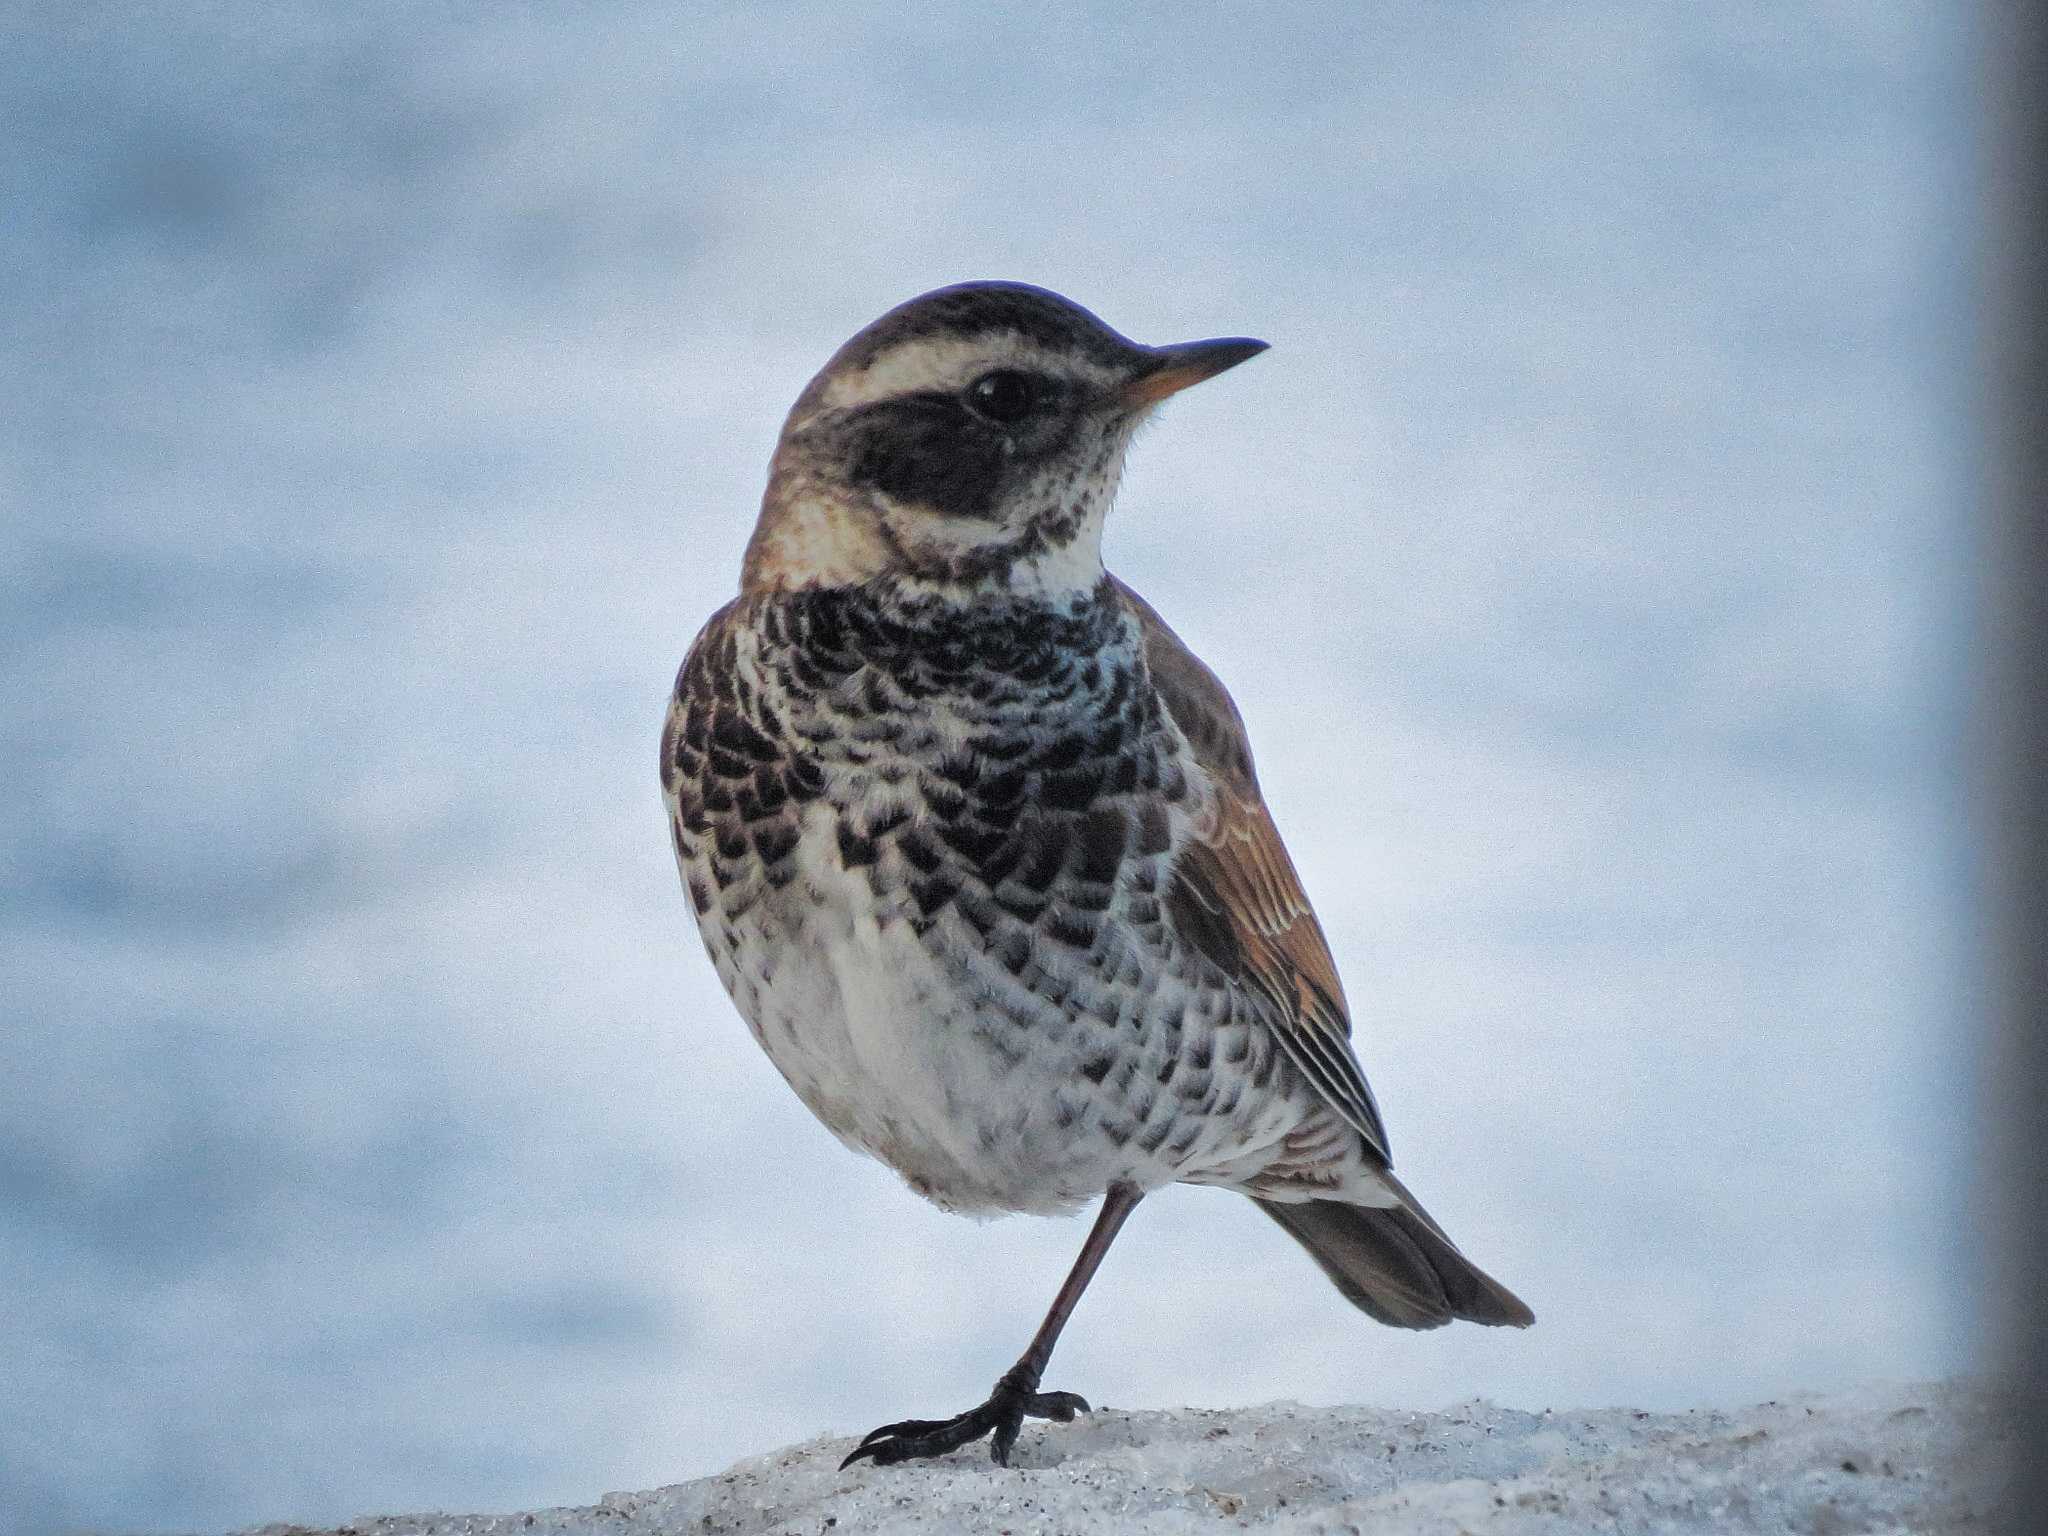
1882	1459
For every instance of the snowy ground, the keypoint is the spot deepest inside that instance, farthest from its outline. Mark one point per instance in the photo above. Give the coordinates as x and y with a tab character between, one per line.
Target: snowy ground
1883	1459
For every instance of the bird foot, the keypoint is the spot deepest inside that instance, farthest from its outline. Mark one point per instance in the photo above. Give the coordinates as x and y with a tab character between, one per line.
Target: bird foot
1014	1399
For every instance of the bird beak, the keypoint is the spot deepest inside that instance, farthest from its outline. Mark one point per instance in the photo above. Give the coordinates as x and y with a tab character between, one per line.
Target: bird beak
1172	369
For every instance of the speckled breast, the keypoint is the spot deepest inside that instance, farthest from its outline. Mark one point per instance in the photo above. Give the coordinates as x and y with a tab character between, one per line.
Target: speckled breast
926	844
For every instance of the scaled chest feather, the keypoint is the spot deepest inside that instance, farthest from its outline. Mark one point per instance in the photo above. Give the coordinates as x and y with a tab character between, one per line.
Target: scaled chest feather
1006	758
926	846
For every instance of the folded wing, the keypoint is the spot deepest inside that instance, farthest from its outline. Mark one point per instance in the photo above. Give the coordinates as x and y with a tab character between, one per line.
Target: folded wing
1235	894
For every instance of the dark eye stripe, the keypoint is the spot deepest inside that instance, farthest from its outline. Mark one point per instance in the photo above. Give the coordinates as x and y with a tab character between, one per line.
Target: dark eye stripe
929	449
950	450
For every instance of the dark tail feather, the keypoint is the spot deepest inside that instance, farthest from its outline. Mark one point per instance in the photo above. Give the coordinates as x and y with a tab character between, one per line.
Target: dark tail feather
1397	1265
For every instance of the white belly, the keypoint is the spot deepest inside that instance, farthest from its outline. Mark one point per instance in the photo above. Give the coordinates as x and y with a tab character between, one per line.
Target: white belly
908	1050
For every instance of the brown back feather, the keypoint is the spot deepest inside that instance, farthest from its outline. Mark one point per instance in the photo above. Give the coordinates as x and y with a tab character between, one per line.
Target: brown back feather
1236	895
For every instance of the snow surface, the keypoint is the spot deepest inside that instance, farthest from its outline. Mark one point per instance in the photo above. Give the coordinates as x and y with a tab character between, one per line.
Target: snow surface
1880	1459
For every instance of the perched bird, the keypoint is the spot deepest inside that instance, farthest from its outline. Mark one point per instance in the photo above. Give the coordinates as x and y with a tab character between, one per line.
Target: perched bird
975	843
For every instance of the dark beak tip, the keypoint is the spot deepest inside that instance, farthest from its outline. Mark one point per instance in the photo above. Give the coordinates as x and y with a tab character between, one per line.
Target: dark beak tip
1215	355
1174	368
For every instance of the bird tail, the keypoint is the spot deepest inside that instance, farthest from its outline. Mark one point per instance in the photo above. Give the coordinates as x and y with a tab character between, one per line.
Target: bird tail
1395	1264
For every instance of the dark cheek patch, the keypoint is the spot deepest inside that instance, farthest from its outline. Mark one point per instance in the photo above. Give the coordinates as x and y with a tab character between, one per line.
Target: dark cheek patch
930	451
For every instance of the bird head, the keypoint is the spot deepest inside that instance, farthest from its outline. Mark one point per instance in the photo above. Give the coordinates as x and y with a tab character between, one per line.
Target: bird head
971	439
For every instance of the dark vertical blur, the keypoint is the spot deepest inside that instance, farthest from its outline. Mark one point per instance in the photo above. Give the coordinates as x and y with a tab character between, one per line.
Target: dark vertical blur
2014	718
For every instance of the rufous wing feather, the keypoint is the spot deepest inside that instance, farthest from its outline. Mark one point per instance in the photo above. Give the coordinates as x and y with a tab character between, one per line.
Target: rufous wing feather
1235	893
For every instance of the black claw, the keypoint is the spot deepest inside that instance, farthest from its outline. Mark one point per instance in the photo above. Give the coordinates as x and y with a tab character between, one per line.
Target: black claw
900	1430
1001	1416
1000	1442
1060	1407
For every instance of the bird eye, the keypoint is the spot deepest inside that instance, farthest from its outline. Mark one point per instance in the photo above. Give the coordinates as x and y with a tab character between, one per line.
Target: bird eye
1005	396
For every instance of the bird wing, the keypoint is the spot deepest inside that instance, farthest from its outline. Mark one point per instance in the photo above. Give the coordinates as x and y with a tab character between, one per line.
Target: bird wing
1235	894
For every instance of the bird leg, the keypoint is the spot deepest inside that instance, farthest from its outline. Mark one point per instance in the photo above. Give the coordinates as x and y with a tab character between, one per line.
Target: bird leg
1016	1395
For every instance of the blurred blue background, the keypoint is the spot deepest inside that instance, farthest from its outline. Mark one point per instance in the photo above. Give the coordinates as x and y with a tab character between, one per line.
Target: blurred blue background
389	389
